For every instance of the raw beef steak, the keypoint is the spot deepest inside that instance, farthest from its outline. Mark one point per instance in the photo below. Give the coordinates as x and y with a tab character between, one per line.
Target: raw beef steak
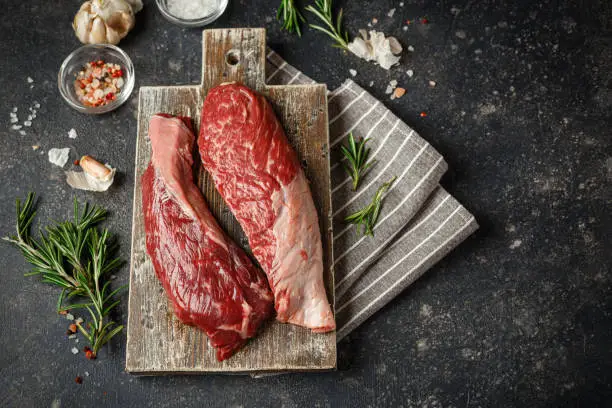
244	148
211	282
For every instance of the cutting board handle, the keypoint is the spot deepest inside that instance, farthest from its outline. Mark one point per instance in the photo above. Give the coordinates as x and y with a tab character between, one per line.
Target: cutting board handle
234	54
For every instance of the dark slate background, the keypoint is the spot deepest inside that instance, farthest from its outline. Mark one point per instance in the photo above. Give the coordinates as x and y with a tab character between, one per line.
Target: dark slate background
519	315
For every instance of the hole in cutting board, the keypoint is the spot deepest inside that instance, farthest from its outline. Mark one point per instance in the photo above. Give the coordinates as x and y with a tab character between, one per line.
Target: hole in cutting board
232	57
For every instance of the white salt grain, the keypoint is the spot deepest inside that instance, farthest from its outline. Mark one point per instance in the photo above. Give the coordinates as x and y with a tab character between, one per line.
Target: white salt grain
36	105
68	315
76	340
29	117
72	134
16	127
391	12
405	28
30	80
22	132
353	72
191	9
371	83
74	350
432	84
86	373
27	123
393	83
59	157
14	120
15	109
389	89
410	48
410	73
72	336
13	115
401	4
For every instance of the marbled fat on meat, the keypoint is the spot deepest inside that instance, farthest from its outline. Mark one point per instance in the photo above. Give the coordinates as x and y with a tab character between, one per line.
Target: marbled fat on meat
244	148
211	282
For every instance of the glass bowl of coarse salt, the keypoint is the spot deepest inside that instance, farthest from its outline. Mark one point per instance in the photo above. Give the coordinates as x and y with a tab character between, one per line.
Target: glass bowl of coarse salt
96	78
191	13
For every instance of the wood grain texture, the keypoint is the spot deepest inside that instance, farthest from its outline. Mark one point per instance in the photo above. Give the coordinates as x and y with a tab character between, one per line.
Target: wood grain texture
157	342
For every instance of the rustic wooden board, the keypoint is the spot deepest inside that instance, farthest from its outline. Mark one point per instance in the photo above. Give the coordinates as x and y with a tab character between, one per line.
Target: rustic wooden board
157	342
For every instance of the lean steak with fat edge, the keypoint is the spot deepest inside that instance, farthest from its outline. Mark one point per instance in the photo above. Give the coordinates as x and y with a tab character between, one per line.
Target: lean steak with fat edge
245	150
211	282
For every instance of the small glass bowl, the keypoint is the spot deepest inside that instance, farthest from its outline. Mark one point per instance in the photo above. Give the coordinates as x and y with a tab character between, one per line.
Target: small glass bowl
162	5
78	59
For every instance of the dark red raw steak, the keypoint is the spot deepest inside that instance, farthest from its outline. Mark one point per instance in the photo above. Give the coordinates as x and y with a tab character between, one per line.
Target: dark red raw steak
244	148
210	280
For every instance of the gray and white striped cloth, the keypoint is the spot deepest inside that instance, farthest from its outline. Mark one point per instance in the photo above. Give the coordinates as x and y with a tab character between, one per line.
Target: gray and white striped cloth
419	222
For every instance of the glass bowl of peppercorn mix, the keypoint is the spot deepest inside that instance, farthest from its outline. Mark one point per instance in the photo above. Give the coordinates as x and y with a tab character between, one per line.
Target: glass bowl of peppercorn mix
96	78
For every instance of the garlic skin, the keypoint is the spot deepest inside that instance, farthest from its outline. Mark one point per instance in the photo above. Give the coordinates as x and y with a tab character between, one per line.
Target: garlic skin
104	21
384	51
94	177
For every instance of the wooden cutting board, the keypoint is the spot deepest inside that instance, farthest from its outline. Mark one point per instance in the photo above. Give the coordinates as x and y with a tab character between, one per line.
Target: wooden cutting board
157	342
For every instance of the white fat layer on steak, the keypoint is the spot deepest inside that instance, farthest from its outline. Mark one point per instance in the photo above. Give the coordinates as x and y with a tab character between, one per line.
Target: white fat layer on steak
297	266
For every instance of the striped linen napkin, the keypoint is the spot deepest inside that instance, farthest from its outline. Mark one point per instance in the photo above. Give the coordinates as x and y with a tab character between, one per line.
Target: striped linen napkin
419	221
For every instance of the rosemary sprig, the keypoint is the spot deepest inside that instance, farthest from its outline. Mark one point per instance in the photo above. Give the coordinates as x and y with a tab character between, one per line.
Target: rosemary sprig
290	16
323	10
75	256
368	216
356	155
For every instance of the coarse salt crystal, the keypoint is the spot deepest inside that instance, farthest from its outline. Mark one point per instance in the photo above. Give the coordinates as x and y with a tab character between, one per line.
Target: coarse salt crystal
68	315
36	105
22	132
30	80
98	93
15	109
410	73
72	134
405	28
13	115
16	127
74	350
410	48
120	82
432	84
401	4
76	340
371	83
72	336
27	123
389	89
29	117
31	86
353	72
33	116
393	83
86	373
189	9
14	120
391	12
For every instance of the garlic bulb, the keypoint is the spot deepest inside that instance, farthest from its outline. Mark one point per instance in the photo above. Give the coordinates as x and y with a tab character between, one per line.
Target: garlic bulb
105	21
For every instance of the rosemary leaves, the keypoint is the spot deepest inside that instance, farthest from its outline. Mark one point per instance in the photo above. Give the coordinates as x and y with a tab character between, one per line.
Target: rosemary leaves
77	257
323	10
366	218
356	155
290	16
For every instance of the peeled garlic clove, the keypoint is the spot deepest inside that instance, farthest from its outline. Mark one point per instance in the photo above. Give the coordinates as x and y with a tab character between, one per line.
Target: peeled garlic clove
95	169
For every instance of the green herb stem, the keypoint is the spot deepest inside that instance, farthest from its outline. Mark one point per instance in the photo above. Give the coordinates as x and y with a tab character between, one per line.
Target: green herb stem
323	11
366	218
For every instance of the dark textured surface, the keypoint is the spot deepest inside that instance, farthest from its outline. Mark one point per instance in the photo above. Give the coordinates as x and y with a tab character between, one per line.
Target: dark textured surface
517	316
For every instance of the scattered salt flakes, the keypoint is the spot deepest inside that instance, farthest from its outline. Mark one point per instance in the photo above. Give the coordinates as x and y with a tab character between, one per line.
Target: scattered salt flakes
432	84
371	83
410	48
516	243
68	315
391	12
74	350
22	132
410	73
353	72
405	28
30	80
72	134
460	34
86	373
16	127
15	109
389	89
59	157
72	336
399	92
14	120
79	320
36	105
27	123
393	83
35	147
374	20
374	46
